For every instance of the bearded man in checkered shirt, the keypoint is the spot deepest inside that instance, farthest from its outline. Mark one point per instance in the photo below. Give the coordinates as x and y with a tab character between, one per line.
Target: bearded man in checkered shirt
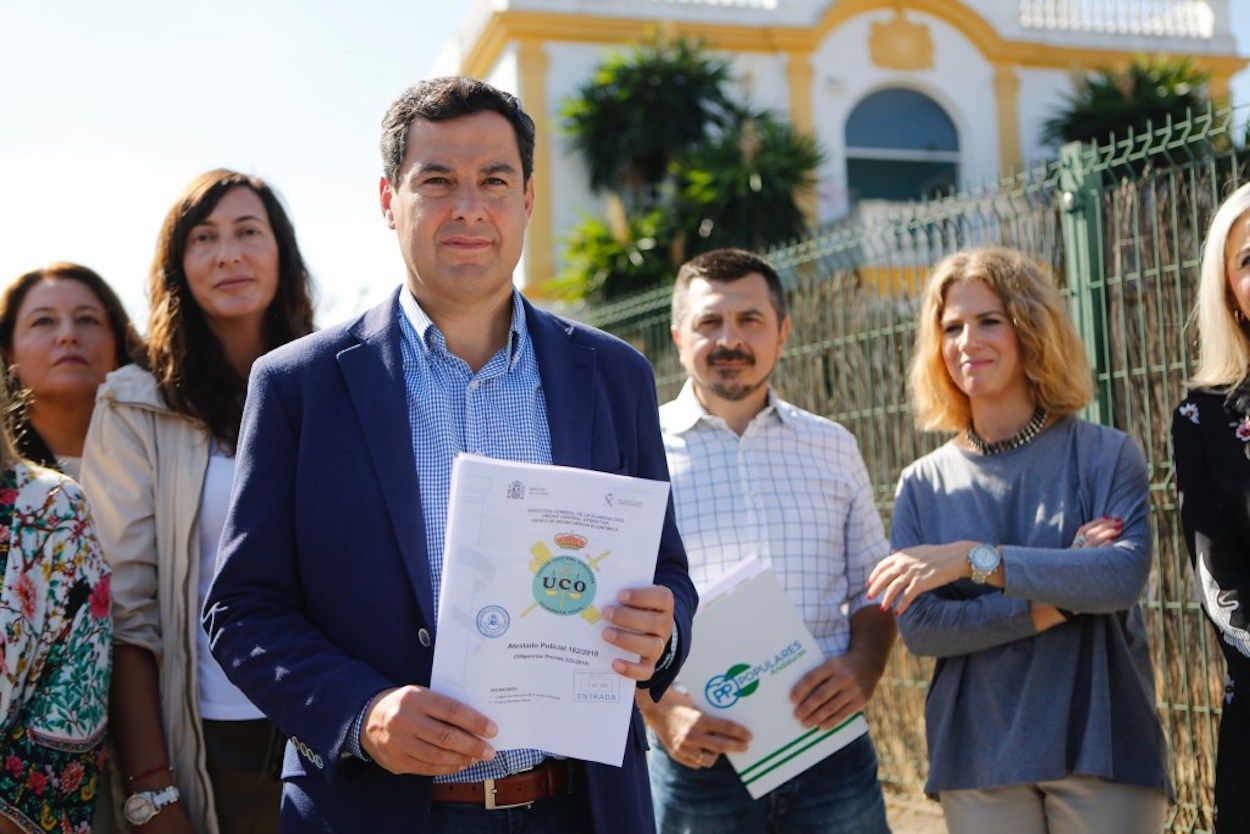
755	476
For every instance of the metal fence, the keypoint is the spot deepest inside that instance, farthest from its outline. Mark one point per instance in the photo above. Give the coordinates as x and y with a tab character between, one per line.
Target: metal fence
1121	224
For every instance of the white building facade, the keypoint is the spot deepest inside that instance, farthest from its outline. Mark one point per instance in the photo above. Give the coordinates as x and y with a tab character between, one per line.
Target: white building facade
907	97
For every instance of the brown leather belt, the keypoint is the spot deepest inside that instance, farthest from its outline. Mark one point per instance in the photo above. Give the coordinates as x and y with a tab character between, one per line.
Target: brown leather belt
551	778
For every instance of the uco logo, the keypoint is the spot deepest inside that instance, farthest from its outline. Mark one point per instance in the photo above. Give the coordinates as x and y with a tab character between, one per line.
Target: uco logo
565	585
723	691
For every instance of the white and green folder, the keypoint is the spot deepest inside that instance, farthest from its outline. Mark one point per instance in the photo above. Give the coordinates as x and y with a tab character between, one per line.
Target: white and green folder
748	650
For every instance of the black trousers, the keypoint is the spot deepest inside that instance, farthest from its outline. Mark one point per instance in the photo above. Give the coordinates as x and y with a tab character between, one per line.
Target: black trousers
244	762
1232	765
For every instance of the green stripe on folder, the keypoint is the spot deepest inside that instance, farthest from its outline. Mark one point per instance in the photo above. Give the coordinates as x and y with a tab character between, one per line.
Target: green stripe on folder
787	751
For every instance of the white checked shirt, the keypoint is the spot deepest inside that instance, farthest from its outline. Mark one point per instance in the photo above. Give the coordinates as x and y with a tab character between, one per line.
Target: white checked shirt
792	490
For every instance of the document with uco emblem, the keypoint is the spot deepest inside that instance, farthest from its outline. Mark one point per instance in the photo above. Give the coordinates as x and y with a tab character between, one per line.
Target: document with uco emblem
748	650
533	553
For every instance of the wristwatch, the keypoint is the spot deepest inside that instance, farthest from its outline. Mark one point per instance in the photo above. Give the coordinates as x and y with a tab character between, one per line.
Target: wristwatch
142	806
984	560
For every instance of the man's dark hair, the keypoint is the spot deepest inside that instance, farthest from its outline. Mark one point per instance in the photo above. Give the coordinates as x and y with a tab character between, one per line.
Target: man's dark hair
727	265
440	99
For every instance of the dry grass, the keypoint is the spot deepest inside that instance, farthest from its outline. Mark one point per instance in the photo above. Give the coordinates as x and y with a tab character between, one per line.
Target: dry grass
909	815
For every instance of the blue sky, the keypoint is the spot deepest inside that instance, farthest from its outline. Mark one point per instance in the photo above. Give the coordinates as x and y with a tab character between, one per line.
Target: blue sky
111	107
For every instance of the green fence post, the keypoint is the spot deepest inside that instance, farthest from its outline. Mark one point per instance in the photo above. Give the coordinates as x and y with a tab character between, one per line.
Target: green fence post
1080	192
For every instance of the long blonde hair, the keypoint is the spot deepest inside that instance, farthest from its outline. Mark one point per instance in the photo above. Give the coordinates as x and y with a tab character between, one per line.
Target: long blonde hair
1051	353
1223	347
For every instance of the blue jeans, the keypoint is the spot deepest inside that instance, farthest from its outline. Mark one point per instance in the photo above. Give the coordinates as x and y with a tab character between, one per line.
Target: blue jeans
839	795
568	814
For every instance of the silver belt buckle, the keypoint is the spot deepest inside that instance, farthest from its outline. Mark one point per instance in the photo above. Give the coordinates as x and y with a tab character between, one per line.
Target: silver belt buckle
489	786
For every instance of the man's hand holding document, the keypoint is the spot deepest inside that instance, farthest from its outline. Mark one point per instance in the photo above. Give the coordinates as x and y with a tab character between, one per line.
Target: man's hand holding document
749	650
533	555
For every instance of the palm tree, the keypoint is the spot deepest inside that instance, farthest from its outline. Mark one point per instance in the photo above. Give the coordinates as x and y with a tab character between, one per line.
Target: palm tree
742	186
640	110
1107	103
685	169
613	257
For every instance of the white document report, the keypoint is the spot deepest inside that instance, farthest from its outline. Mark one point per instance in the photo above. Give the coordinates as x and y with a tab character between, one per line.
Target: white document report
533	553
748	650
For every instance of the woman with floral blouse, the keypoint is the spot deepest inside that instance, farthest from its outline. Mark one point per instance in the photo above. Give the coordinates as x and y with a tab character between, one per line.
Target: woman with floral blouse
1211	451
56	640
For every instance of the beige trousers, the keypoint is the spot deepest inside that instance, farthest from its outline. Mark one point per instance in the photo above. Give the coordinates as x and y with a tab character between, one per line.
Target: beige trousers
1074	805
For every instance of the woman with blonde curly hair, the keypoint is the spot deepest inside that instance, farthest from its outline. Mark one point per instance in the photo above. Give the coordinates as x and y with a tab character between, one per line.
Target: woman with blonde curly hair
1211	452
1021	548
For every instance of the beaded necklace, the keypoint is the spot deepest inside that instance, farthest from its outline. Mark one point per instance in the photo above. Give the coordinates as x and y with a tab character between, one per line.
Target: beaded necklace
1017	440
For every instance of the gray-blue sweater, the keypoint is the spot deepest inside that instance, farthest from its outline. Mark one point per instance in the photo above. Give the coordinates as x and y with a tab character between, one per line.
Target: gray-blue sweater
1008	704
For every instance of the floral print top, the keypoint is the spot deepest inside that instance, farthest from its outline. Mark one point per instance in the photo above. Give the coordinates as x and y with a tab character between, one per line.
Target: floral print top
56	631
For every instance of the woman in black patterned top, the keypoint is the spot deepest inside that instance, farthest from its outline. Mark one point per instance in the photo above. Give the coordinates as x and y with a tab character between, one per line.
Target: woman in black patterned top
1211	451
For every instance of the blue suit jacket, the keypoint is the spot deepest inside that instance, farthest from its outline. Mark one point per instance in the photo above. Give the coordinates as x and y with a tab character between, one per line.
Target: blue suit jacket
324	585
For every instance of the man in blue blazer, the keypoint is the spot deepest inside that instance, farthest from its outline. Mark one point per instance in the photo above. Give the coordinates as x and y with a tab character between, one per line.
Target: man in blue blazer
323	609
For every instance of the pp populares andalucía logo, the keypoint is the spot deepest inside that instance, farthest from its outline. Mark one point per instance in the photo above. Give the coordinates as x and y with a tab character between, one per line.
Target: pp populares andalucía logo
723	691
565	584
742	679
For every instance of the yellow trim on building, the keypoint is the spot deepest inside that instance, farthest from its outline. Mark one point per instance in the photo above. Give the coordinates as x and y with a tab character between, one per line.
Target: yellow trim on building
960	17
799	75
532	29
904	281
511	24
539	246
480	58
1007	108
516	24
1218	91
1000	50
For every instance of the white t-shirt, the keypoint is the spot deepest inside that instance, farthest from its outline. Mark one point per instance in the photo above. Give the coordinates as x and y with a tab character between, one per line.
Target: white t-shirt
70	466
220	700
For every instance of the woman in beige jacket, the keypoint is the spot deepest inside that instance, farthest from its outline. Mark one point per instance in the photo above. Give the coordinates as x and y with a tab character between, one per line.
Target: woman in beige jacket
227	285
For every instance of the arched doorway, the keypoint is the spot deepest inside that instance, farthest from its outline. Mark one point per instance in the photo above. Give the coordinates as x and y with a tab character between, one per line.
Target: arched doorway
900	145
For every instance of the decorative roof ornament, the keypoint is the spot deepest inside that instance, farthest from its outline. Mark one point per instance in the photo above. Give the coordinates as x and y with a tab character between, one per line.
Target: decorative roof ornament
900	44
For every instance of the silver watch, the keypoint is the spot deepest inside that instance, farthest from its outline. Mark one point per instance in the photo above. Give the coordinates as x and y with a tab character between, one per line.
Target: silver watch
984	559
142	806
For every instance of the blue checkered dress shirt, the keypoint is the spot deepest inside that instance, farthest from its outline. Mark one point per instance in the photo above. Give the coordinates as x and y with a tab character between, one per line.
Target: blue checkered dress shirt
498	412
